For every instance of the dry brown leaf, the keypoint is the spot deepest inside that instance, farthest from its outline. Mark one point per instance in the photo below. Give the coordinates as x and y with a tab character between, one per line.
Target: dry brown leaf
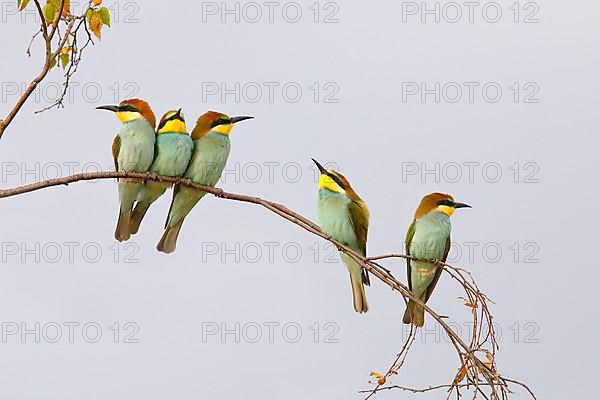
380	378
66	9
470	304
462	373
95	22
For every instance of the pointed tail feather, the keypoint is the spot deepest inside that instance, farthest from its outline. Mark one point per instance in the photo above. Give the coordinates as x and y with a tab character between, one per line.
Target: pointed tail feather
137	216
122	231
414	314
358	294
168	242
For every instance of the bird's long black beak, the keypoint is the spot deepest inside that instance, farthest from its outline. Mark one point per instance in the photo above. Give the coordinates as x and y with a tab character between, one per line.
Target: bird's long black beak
178	115
321	168
109	108
461	205
235	120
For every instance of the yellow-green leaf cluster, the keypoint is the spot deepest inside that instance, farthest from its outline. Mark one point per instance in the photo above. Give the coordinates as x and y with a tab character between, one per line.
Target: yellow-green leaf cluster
64	57
51	8
49	12
105	16
97	18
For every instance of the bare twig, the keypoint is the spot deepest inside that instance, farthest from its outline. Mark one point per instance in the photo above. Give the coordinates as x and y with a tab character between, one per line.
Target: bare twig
450	387
49	56
75	59
420	390
398	362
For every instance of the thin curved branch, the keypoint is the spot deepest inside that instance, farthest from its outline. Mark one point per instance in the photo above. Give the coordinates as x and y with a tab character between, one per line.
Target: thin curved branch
384	275
471	365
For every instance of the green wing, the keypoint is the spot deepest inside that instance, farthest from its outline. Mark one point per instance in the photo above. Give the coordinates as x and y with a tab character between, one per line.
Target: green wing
438	272
155	150
359	216
116	146
407	240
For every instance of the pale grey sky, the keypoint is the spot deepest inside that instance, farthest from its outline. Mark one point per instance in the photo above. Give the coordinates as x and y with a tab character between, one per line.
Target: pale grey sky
351	83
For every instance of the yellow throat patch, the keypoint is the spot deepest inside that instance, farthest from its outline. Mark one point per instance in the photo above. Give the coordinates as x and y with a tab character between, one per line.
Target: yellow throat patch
173	126
446	210
126	116
325	182
224	129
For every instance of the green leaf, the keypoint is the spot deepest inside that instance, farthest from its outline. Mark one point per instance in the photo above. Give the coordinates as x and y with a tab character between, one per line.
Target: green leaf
53	63
22	4
49	12
64	60
105	15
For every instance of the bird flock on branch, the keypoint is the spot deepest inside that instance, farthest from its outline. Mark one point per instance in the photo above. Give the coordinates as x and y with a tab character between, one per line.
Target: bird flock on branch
200	156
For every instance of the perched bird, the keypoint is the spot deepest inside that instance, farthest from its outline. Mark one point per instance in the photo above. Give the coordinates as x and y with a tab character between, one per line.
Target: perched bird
133	151
172	155
211	150
344	216
428	238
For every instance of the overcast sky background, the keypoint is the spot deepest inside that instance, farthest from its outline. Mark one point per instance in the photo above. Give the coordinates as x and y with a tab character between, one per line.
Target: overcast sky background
237	263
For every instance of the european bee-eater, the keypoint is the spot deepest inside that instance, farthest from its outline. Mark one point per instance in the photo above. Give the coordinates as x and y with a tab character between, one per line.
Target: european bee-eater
133	151
211	150
173	152
428	238
344	216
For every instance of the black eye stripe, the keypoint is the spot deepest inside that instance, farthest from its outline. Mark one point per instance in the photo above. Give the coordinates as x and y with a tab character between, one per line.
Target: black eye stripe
171	118
446	202
128	108
220	121
337	180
